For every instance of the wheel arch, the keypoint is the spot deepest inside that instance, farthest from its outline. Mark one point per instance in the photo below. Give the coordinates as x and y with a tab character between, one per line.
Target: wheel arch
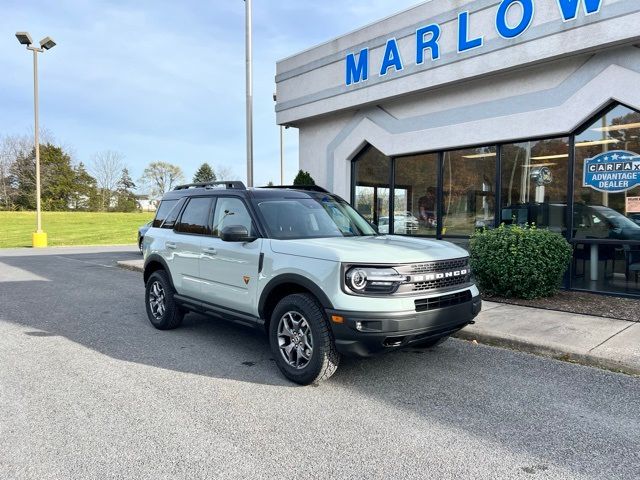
153	263
284	285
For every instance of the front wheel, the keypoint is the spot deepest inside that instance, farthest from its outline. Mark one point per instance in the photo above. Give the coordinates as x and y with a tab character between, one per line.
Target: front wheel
162	310
302	341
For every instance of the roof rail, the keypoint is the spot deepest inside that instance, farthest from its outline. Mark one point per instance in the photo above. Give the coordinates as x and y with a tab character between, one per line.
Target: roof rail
235	185
308	188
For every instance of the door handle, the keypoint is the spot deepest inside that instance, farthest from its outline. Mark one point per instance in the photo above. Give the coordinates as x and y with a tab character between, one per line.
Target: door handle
210	251
170	245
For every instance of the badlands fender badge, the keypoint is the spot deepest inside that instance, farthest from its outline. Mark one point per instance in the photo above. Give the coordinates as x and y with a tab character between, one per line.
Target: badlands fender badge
246	279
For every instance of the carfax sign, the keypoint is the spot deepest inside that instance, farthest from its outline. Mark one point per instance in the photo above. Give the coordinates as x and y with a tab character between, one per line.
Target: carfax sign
616	171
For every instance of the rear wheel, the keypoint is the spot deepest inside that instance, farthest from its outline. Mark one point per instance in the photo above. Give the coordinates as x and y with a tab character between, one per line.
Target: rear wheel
162	310
301	340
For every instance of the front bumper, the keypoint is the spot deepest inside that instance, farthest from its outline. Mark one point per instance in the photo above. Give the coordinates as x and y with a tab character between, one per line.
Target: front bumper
390	330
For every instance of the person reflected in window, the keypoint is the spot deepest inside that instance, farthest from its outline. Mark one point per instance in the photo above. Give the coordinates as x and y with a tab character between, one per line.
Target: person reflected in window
427	208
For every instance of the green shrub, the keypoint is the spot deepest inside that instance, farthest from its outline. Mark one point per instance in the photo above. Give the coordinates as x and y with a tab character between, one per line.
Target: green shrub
519	262
303	178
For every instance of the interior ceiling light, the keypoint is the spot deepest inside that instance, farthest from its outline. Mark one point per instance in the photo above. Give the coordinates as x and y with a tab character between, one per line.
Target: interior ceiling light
551	157
596	142
480	155
614	128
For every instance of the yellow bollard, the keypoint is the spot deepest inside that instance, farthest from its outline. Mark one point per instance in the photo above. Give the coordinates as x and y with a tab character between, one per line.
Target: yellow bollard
39	239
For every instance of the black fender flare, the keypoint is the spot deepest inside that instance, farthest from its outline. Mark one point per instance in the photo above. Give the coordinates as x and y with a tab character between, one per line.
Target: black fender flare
156	258
298	280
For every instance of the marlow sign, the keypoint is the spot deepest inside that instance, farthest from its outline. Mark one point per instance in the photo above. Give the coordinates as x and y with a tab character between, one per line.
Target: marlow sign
428	36
615	171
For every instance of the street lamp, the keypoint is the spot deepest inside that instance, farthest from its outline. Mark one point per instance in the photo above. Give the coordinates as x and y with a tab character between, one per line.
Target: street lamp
39	238
249	81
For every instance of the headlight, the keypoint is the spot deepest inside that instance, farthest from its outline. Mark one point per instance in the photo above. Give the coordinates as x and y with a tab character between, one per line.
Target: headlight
372	280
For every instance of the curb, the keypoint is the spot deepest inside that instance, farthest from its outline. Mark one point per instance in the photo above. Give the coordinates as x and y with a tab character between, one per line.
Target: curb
550	352
132	265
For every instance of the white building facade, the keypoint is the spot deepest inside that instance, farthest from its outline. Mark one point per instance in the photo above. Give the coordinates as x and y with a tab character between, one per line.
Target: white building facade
454	115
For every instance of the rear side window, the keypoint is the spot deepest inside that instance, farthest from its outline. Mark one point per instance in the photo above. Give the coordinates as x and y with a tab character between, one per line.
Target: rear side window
195	217
172	216
163	210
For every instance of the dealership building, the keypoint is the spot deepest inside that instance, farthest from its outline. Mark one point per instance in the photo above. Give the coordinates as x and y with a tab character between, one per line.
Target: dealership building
457	115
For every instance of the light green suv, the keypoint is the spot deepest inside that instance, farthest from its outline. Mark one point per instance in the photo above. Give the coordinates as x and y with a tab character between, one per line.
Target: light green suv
307	268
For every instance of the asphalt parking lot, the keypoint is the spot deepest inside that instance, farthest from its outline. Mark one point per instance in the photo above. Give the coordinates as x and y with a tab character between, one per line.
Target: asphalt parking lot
88	389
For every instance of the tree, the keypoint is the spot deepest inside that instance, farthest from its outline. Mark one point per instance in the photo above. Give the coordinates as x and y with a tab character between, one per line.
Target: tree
303	178
57	179
160	177
106	167
204	174
85	195
126	197
270	184
224	173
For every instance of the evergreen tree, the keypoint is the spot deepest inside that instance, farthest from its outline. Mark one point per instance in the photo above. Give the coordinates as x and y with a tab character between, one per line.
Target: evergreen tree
125	196
303	178
57	179
204	174
85	195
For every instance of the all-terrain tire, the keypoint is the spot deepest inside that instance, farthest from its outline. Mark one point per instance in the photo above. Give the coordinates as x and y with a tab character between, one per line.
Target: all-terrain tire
170	316
324	359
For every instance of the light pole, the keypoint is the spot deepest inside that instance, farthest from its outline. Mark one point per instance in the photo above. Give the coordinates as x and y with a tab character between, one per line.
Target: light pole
249	68
39	238
275	99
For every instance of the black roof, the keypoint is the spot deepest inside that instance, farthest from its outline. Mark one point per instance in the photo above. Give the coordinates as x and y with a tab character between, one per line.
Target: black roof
237	188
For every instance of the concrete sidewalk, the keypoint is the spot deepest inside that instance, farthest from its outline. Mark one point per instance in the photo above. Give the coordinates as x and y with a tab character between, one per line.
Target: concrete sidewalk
595	341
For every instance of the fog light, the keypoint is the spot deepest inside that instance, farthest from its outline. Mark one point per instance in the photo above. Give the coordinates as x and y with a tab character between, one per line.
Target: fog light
358	325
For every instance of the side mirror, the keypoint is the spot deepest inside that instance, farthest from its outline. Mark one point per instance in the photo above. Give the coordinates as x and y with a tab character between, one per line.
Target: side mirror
236	233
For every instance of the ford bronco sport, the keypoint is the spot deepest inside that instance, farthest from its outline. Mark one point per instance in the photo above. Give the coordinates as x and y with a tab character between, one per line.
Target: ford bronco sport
307	268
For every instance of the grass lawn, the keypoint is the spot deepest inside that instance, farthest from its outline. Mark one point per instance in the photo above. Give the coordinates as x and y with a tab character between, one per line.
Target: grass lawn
72	228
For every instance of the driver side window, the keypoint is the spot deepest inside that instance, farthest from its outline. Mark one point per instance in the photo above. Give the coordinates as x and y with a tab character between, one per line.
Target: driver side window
231	211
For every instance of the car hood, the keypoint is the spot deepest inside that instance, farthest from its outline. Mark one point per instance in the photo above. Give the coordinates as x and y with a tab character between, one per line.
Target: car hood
390	249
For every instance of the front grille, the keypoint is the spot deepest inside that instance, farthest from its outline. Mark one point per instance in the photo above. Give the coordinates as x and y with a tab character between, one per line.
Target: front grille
439	266
426	304
439	283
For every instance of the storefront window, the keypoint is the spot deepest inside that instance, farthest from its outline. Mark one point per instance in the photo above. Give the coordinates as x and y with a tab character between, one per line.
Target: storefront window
607	203
416	195
469	190
534	183
371	172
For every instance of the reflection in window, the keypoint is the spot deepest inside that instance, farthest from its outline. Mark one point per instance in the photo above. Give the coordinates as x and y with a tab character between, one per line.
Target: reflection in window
600	214
469	190
416	195
372	180
534	183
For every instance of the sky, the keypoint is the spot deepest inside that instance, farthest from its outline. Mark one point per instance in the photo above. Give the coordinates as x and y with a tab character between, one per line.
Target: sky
164	80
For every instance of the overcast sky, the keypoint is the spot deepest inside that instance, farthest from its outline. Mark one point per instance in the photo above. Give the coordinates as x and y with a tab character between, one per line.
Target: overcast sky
164	80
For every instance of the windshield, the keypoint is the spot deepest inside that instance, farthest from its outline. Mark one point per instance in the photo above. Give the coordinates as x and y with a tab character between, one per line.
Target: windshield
316	217
617	219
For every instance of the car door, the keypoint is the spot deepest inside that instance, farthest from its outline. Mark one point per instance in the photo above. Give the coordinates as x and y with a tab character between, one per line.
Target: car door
229	270
186	244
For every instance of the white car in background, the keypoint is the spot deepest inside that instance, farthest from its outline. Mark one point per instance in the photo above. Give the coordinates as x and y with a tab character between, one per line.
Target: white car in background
403	223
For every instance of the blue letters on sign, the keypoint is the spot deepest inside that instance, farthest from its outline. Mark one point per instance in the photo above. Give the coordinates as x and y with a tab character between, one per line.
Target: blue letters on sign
501	18
428	37
391	57
569	8
432	43
358	72
615	171
464	43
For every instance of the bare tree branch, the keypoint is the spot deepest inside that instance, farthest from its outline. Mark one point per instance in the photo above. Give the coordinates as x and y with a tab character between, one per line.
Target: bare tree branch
106	167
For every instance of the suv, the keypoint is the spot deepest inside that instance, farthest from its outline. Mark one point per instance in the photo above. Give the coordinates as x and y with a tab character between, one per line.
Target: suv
304	266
